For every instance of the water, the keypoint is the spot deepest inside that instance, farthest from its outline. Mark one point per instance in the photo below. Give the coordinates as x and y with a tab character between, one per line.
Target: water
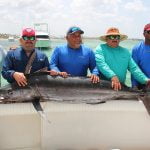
92	43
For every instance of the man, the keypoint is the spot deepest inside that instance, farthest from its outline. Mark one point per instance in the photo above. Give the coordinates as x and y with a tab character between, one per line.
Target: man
16	61
2	56
141	55
74	58
113	61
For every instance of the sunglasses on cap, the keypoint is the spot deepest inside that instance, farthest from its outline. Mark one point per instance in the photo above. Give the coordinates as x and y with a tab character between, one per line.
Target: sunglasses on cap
31	38
114	37
147	31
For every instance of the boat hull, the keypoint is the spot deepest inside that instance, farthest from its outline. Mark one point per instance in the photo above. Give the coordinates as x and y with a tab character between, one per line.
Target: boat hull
43	44
115	124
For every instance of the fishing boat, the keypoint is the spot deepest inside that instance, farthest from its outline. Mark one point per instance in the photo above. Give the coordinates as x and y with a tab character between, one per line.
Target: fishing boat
42	36
11	39
74	125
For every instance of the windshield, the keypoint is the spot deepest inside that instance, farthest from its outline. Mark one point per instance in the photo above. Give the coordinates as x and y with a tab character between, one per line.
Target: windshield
42	36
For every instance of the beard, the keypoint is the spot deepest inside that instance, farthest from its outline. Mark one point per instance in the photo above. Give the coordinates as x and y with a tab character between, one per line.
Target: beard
29	46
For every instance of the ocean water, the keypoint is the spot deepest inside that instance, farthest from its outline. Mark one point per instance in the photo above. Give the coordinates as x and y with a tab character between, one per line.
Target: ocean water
92	43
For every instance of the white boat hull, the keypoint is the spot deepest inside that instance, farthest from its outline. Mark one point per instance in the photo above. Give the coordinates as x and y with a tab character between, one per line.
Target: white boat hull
123	125
43	43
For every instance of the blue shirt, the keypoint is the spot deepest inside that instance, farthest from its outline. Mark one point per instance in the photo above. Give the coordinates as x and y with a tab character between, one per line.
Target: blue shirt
73	61
16	61
141	55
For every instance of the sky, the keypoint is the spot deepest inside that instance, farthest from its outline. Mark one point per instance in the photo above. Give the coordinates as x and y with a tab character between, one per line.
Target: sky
94	17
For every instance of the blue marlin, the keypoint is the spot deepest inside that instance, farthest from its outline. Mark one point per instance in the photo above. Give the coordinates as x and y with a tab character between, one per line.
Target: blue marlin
43	87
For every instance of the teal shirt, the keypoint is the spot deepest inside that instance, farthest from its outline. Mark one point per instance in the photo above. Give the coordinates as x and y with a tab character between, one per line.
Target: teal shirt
115	62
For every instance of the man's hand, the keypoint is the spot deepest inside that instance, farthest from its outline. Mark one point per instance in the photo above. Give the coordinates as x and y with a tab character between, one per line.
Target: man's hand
115	83
13	47
94	78
148	83
53	73
63	74
20	78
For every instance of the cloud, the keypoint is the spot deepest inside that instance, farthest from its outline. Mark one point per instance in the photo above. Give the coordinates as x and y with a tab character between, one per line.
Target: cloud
93	16
136	6
95	7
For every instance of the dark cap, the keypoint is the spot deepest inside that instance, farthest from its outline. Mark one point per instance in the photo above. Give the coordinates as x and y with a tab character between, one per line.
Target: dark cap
147	27
74	29
28	32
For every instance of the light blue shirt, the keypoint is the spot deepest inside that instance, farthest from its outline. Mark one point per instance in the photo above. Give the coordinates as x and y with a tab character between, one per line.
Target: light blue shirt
115	62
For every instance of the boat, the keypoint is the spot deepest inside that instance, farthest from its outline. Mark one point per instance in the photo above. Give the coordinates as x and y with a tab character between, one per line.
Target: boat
11	39
112	125
42	36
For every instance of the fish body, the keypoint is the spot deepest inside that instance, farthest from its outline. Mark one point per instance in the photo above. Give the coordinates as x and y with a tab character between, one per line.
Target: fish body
70	90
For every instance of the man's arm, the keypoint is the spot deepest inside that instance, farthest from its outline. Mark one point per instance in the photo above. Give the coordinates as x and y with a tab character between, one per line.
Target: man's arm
10	74
46	63
93	69
136	72
92	64
136	59
54	60
7	69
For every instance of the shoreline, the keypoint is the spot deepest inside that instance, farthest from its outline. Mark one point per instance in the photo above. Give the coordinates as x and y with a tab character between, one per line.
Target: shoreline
62	38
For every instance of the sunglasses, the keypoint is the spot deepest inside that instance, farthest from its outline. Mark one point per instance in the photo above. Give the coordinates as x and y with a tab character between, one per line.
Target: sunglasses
148	32
114	37
31	38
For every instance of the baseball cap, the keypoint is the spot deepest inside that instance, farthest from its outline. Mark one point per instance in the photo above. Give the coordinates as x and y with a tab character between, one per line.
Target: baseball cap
28	32
74	29
147	27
